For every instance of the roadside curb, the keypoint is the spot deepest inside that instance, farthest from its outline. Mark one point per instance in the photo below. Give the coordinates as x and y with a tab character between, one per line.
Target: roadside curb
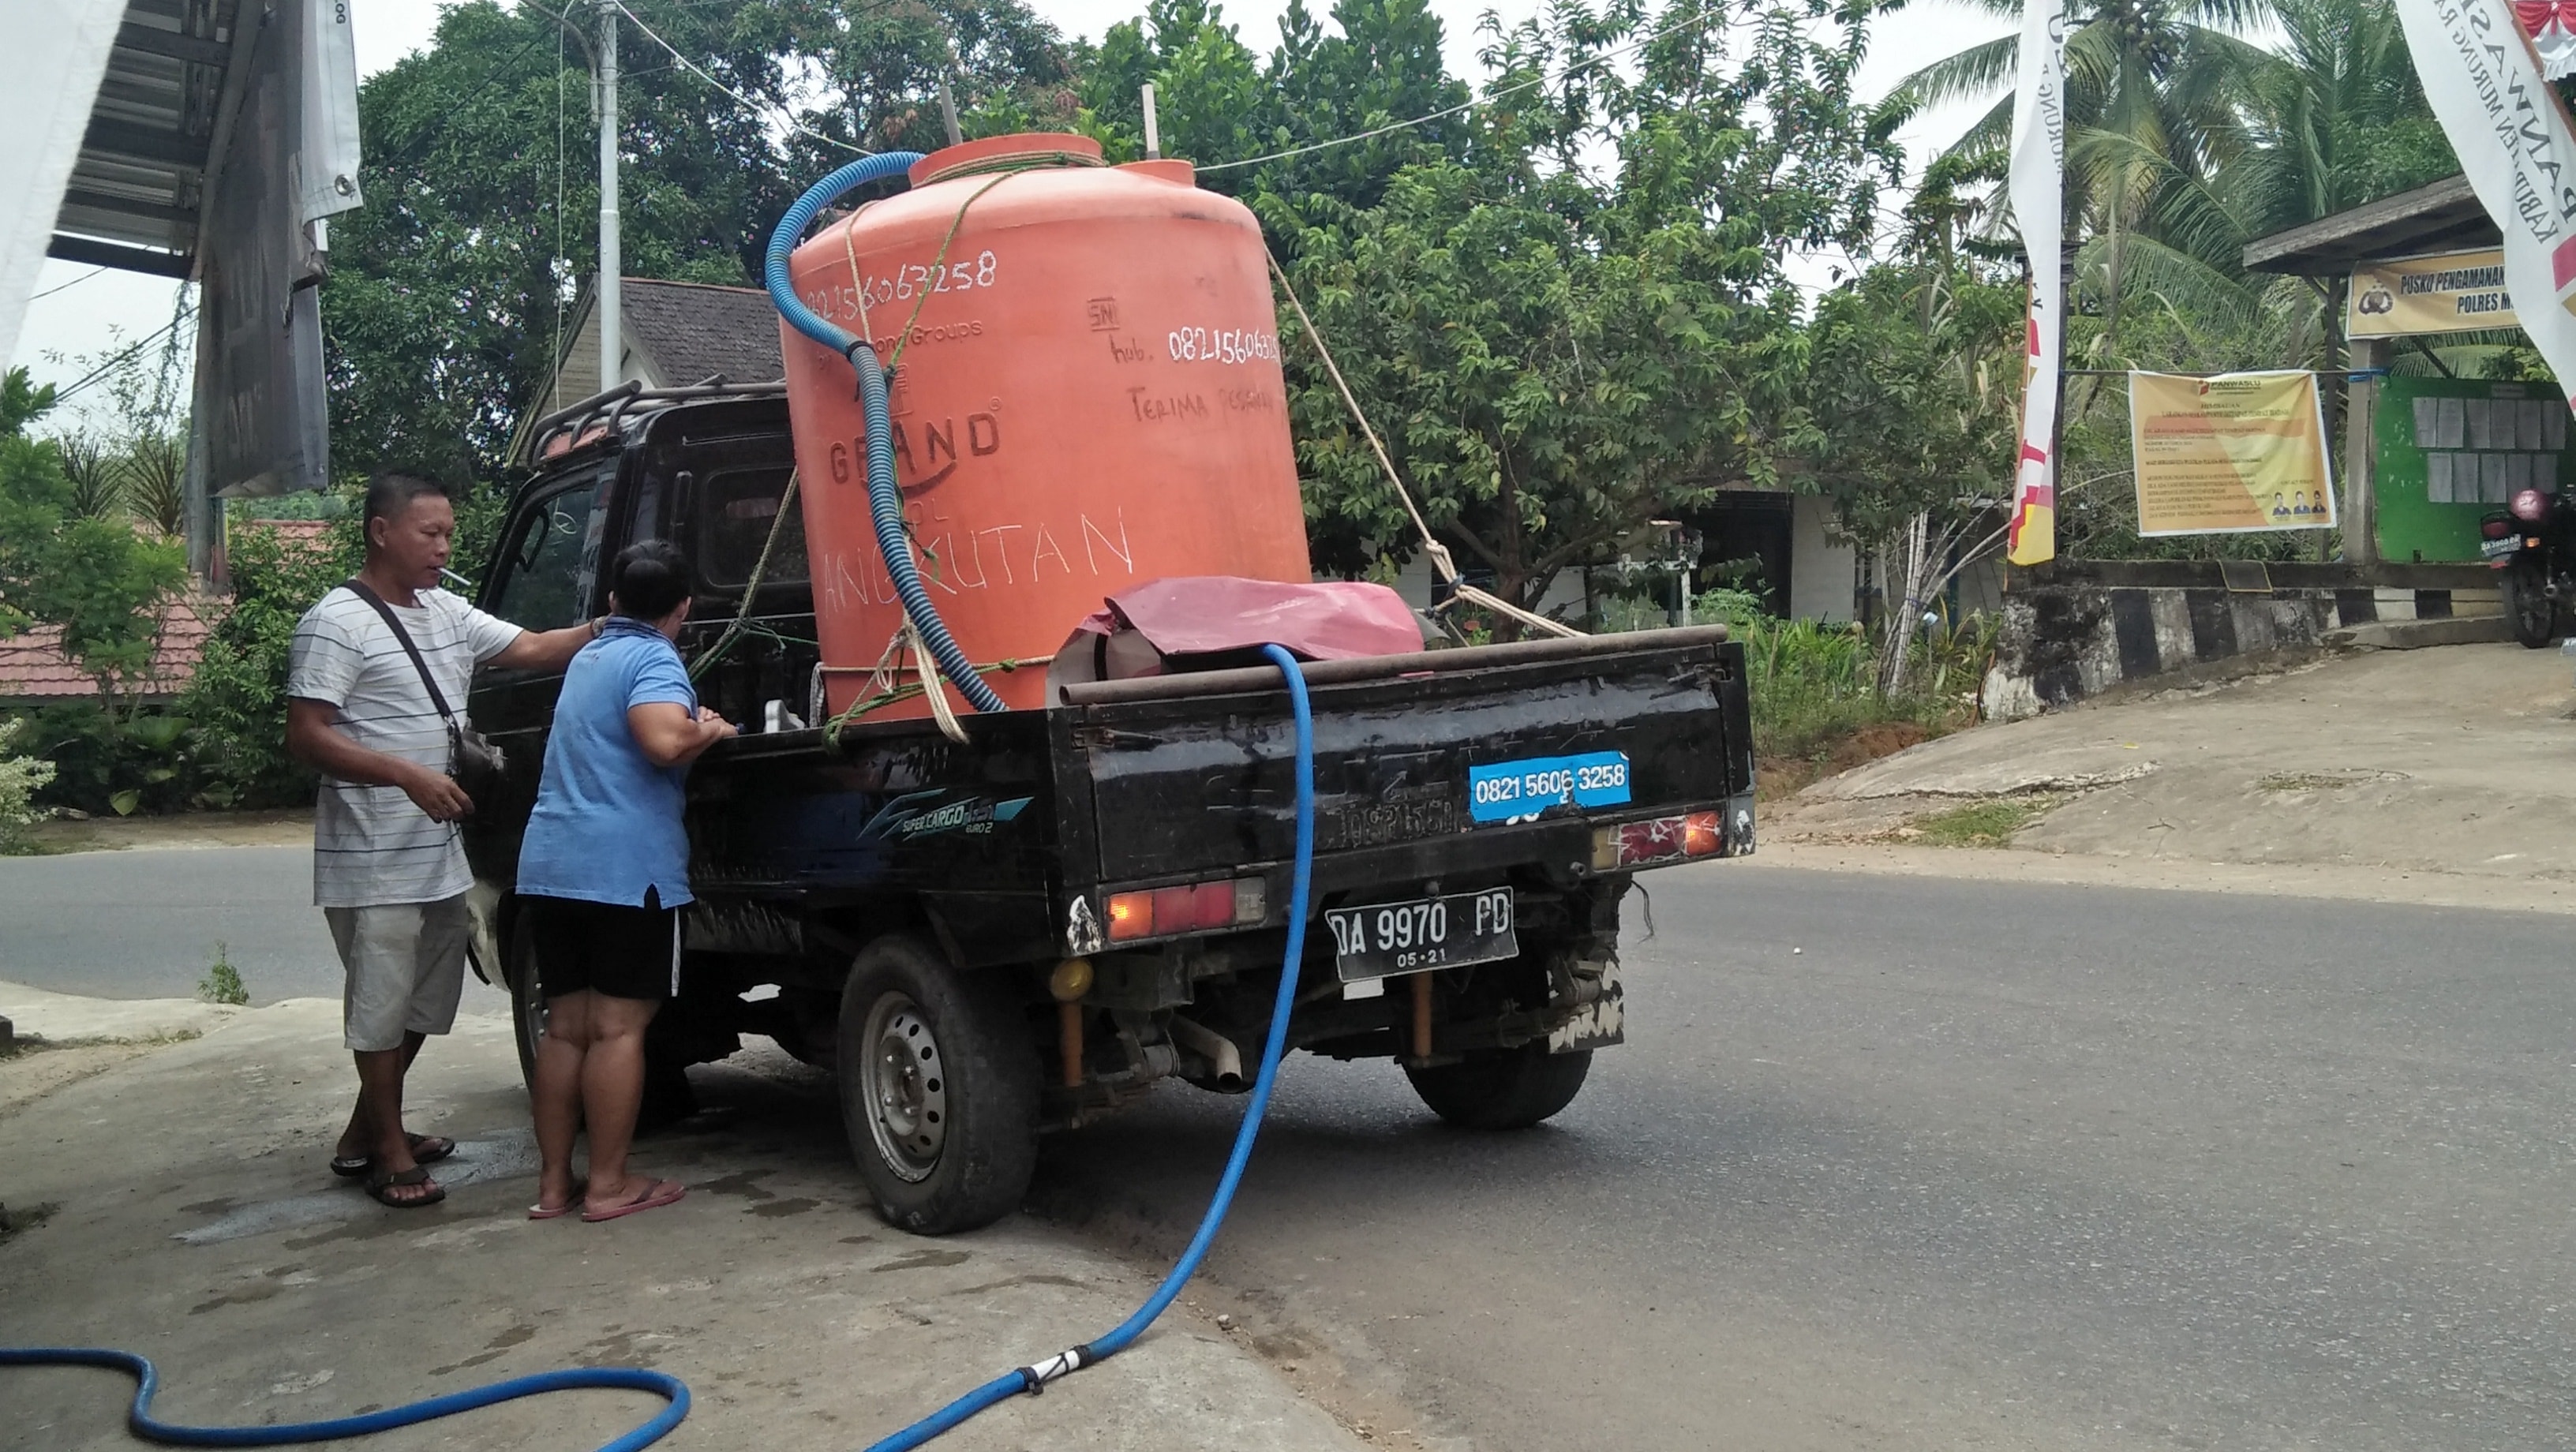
2418	634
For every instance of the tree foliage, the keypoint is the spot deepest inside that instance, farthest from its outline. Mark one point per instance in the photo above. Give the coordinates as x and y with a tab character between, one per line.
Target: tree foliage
91	575
1556	356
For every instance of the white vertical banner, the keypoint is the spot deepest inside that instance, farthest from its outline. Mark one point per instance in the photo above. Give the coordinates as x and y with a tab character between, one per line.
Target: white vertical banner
2513	141
2038	188
326	158
57	54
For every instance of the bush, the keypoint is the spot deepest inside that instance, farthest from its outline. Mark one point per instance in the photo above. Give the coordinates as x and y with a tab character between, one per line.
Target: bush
20	779
237	701
111	760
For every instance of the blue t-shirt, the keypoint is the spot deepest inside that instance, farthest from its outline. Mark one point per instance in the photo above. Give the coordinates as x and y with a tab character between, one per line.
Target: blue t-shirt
607	824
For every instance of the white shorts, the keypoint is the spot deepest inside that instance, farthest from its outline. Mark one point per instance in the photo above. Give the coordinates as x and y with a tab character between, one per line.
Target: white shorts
406	968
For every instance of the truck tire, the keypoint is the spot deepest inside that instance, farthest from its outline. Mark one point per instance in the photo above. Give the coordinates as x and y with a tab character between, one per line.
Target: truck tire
1502	1088
527	1006
939	1088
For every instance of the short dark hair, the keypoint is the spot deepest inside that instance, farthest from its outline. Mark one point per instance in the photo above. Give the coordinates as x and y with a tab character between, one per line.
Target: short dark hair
650	579
391	492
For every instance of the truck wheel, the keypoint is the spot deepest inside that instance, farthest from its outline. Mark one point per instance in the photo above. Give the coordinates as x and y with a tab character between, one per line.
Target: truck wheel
1502	1088
939	1089
2528	606
527	1005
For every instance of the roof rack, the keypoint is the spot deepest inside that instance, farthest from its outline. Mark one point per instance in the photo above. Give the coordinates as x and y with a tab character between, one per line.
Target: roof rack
607	410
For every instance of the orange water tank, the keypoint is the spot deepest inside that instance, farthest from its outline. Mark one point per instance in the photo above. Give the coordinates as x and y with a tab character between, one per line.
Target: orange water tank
1087	396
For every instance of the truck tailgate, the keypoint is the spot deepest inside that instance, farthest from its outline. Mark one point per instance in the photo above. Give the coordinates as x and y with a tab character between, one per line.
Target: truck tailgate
1444	755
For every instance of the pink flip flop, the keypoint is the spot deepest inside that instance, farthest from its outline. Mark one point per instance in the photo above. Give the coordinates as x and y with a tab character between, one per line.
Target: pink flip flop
653	1196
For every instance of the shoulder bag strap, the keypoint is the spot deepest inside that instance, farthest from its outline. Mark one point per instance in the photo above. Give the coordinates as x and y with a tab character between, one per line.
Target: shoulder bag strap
436	698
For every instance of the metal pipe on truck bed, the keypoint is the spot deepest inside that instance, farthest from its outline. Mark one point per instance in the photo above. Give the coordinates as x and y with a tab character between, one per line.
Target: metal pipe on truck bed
1379	667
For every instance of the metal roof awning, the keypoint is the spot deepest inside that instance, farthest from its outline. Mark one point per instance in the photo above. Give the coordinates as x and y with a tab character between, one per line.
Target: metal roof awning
173	83
2443	217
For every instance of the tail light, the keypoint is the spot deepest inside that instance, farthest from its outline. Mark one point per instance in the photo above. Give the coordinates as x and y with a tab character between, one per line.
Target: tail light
1199	907
2530	504
1658	839
2496	526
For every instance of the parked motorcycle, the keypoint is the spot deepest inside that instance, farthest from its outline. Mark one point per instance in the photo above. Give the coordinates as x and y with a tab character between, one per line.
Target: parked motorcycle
2533	541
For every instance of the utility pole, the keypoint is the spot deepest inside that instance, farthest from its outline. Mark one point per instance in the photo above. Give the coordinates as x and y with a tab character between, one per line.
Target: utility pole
612	347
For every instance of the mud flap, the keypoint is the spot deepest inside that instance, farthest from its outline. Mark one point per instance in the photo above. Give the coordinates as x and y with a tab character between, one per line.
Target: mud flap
1597	1024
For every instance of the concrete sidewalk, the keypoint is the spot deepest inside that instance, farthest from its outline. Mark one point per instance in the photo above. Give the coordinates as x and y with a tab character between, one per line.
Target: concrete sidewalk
193	1219
2457	761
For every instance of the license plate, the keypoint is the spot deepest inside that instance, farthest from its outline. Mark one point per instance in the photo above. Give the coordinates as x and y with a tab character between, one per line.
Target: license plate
2498	548
1433	932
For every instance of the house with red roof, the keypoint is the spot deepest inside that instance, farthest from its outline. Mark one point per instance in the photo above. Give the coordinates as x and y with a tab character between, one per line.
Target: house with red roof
35	671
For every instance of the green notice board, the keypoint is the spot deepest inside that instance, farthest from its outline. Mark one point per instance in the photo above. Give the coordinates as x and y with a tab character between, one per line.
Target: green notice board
2454	450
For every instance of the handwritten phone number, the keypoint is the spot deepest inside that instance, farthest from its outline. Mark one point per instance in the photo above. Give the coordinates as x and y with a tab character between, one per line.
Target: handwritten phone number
908	282
1222	345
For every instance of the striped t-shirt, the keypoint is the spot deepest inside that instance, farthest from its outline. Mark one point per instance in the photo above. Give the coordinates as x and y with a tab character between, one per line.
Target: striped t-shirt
371	845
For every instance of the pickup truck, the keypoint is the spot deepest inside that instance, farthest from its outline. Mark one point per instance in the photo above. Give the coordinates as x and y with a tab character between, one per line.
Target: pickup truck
989	940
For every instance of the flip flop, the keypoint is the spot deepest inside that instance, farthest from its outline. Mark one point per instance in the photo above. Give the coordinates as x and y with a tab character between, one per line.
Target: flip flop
426	1149
542	1211
384	1180
654	1195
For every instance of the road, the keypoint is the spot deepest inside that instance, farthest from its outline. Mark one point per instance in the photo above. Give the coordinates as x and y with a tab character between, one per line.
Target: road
145	923
1899	1163
1889	1162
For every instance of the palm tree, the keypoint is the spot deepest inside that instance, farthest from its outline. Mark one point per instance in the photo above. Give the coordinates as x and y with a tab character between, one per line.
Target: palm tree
2153	93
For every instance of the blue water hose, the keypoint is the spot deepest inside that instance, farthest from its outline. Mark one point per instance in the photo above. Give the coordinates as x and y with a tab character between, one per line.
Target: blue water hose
885	501
1063	1363
140	1419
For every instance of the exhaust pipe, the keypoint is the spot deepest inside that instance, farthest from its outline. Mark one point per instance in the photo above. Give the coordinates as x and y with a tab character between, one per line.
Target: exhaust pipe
1214	1047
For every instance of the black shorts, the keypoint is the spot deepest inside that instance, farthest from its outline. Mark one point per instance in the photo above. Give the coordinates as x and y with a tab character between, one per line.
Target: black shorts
624	952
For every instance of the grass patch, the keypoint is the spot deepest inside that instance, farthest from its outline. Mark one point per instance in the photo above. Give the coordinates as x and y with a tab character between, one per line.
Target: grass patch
222	983
1816	706
25	1045
1980	824
13	1221
2309	781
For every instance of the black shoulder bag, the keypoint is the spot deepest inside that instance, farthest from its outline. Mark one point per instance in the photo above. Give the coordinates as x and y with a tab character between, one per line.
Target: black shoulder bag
476	765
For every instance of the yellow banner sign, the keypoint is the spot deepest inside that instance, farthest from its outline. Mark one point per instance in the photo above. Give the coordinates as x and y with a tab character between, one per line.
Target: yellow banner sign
2229	454
2451	293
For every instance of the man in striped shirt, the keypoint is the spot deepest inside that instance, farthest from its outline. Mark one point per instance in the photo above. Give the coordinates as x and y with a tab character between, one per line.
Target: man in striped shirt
388	870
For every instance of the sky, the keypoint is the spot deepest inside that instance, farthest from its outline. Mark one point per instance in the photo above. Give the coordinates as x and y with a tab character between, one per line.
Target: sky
83	312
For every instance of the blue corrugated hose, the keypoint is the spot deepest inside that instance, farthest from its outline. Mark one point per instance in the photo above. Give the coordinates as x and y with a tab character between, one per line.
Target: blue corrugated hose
1035	1378
148	1381
885	501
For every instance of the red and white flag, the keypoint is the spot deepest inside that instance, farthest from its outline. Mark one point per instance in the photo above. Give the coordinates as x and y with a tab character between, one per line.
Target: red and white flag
2038	187
2482	75
2551	24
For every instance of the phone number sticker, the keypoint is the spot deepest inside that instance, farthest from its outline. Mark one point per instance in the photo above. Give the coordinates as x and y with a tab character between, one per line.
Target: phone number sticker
1511	789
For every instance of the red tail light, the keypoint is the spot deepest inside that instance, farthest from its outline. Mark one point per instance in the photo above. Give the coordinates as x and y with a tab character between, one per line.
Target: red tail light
2497	528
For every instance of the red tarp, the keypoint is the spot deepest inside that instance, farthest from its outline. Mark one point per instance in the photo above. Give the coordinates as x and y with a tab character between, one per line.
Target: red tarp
1221	615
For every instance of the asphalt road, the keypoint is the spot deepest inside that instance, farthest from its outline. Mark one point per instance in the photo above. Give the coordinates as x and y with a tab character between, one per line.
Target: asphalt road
1976	1164
145	923
1899	1163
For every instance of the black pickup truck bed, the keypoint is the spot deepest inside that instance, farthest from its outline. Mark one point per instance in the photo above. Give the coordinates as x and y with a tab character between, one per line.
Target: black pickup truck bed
1078	901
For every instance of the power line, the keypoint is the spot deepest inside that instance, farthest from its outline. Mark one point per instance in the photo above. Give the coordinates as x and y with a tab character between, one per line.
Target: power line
1567	74
122	355
692	68
75	282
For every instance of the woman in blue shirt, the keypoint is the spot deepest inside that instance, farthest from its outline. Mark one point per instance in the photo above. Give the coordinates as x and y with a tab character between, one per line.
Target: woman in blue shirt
604	871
